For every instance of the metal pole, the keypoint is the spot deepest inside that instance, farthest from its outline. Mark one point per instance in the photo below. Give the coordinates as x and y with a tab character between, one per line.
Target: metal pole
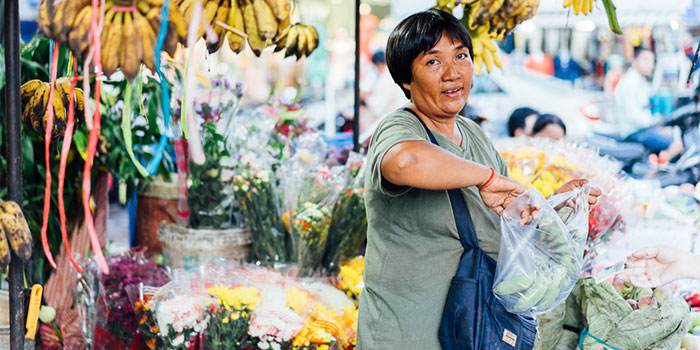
356	118
14	163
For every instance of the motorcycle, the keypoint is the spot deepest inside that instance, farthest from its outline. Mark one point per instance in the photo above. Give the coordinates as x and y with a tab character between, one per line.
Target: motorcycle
635	158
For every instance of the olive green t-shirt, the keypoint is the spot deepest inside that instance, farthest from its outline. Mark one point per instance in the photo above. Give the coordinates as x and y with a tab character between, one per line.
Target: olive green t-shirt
413	248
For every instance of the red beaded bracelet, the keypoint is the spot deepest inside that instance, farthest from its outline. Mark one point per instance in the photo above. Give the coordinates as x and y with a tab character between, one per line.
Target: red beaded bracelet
489	181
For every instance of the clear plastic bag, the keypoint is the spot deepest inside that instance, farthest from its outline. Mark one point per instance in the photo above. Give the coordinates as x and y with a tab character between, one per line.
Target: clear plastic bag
309	191
573	209
348	228
539	262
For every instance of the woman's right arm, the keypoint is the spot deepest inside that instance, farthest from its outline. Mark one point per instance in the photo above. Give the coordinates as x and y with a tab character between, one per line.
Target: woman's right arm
423	165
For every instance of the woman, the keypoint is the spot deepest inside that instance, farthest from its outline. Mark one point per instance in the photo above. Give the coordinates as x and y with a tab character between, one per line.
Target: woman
550	126
413	247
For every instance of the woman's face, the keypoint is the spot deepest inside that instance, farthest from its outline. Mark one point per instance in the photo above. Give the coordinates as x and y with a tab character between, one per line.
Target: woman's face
442	78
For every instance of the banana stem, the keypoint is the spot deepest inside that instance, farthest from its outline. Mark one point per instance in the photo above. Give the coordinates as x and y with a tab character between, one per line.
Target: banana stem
612	17
232	30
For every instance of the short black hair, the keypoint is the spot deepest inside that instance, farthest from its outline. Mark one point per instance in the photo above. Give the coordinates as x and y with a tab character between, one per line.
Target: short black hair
641	48
517	119
546	119
416	34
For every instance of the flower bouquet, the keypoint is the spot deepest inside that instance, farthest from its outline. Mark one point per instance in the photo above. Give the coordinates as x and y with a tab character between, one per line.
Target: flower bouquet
350	278
229	316
106	302
208	195
309	190
258	202
348	228
309	229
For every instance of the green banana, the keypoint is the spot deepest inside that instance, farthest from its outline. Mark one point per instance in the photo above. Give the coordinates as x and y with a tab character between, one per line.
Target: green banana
531	296
553	290
515	284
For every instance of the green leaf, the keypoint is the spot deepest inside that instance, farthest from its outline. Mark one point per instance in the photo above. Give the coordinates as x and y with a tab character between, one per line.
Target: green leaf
80	141
27	155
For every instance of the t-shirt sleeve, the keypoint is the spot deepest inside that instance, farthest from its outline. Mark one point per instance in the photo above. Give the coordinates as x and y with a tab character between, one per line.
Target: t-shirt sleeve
394	129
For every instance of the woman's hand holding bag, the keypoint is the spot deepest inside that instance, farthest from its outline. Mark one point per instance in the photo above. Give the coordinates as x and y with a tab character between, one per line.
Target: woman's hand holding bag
500	192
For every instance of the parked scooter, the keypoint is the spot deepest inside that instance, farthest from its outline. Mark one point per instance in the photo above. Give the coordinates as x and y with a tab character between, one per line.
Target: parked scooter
686	169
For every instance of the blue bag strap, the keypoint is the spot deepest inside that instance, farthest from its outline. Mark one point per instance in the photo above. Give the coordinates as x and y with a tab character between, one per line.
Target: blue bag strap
463	218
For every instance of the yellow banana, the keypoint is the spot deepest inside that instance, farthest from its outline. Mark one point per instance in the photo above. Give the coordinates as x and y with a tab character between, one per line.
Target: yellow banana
44	19
69	10
477	65
477	46
148	40
37	107
265	19
78	38
302	43
280	8
4	250
283	32
27	90
131	50
257	44
79	105
208	15
568	3
496	55
311	39
577	6
486	56
221	15
12	208
56	17
59	112
171	39
292	41
180	23
112	44
235	21
19	241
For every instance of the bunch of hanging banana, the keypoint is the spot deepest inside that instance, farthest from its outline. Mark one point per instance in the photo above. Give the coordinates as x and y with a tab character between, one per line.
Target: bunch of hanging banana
489	20
35	100
580	6
298	39
128	36
485	51
586	6
262	23
14	233
500	16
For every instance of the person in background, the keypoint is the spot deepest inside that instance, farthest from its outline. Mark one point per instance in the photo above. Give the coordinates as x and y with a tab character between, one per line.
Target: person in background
521	121
549	125
655	266
614	68
565	67
631	101
385	96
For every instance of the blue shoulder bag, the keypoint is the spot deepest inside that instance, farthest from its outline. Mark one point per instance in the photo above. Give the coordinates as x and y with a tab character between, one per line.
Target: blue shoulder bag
473	319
